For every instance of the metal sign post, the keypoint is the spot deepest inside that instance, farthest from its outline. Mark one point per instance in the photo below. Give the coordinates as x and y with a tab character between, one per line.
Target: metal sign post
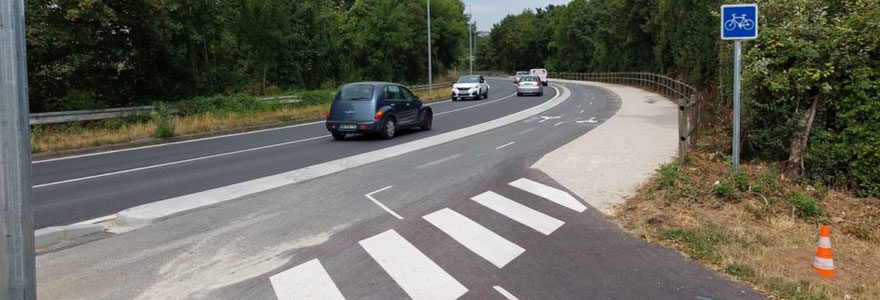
738	22
17	271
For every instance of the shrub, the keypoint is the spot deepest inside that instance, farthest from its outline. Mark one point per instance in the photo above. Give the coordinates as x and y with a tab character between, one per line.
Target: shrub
670	175
164	121
804	206
222	105
316	97
725	189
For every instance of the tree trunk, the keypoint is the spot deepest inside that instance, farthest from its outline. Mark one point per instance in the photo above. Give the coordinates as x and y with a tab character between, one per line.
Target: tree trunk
795	164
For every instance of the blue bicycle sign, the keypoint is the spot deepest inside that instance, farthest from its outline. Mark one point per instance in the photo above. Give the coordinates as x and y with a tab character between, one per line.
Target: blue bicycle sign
739	21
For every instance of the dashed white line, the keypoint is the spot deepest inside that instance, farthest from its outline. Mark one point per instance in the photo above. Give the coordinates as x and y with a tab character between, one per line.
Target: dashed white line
525	131
414	272
553	194
557	124
370	196
482	241
505	145
582	111
306	281
505	293
437	162
523	214
472	106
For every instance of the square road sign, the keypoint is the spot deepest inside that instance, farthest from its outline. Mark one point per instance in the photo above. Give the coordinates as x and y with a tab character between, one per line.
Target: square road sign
739	22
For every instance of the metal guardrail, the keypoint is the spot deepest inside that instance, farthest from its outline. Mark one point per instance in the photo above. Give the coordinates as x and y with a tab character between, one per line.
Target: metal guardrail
110	113
680	92
103	114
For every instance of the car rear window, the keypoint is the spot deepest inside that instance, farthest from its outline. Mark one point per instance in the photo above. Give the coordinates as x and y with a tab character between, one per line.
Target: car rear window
529	78
539	72
356	92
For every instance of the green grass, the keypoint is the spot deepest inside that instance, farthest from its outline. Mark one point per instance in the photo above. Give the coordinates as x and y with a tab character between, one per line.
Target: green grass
805	207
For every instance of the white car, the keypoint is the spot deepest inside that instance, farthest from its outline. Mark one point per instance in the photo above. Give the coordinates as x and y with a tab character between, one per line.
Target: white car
541	73
470	86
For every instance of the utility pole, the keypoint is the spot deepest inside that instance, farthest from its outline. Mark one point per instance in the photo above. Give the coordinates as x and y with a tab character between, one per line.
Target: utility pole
17	275
430	70
471	40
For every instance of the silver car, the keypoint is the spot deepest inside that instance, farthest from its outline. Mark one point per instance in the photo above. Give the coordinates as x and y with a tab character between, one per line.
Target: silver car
529	84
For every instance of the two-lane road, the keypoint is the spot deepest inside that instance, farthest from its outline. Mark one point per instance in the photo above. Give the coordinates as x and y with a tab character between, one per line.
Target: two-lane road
79	188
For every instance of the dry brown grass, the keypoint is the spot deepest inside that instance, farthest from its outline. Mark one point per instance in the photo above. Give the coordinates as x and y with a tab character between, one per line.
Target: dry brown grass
753	234
51	139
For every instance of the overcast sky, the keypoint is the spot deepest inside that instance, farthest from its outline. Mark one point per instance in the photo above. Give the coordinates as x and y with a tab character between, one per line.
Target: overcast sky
489	12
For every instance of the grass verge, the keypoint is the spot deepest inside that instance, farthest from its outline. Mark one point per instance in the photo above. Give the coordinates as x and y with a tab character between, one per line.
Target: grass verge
203	115
759	227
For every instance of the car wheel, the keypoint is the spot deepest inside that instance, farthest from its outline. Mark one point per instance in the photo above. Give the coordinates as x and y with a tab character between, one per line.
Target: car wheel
454	99
389	130
427	121
519	94
338	135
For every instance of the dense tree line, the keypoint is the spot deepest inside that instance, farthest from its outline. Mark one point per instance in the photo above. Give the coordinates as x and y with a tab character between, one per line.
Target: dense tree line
95	53
812	79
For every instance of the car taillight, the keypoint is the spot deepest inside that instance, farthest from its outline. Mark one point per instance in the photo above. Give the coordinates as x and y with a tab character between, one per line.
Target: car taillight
379	115
328	115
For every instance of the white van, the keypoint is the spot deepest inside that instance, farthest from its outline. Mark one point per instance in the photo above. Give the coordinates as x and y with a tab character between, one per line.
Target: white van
541	73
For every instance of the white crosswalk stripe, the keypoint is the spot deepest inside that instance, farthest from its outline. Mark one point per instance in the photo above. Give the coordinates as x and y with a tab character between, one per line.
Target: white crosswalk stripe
550	193
414	272
523	214
482	241
306	281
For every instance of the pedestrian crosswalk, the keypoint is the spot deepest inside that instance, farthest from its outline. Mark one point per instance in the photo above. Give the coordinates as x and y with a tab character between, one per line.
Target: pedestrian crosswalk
414	271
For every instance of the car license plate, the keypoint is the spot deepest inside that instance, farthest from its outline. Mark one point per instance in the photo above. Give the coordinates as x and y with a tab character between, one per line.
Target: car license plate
347	127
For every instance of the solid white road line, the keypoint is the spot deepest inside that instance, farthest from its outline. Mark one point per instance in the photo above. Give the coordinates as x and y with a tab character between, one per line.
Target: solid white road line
414	272
215	155
437	162
523	214
370	196
178	162
476	105
558	196
164	209
505	145
306	281
482	241
505	293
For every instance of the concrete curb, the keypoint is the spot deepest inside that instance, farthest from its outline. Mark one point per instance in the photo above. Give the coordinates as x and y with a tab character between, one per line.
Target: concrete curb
161	210
53	235
639	138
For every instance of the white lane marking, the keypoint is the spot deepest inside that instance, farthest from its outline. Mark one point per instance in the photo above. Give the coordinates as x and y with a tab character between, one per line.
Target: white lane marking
525	131
557	124
178	162
582	111
505	293
439	161
550	193
97	220
475	105
590	121
414	272
505	145
370	196
482	241
164	209
545	118
306	281
177	143
194	140
523	214
220	154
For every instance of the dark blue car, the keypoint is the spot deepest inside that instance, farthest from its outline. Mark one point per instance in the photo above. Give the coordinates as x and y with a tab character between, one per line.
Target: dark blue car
380	108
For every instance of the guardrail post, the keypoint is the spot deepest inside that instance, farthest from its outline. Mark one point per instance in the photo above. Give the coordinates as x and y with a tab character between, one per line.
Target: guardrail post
682	129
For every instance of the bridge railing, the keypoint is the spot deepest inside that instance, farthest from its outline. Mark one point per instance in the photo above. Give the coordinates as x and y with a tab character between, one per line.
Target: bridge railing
686	96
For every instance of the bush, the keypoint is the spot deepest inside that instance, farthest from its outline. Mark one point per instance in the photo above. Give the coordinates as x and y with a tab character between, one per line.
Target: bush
724	188
222	105
164	121
316	97
670	175
804	206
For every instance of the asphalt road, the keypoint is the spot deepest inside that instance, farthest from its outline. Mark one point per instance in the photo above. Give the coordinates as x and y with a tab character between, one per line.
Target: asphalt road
267	244
86	187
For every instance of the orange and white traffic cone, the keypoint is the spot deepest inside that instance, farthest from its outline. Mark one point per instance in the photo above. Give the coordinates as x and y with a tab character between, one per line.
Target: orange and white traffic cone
824	263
